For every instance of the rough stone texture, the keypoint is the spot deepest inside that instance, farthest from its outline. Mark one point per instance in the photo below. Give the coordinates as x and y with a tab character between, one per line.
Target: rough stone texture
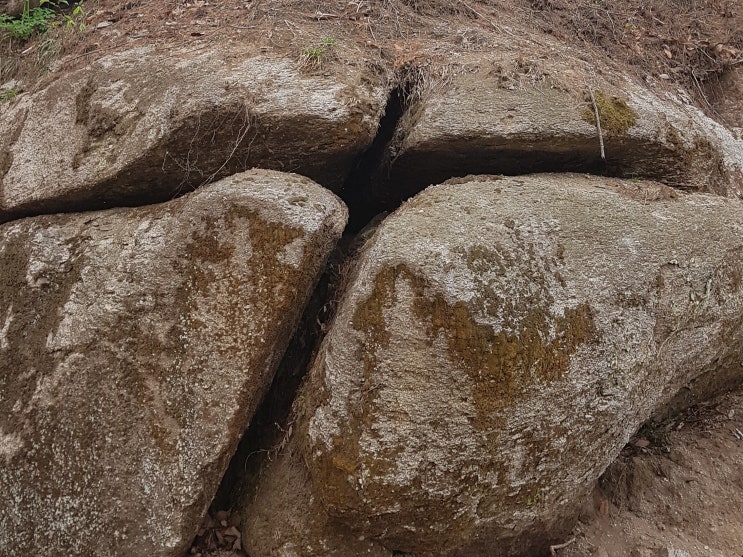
15	7
497	345
144	125
135	344
520	115
730	101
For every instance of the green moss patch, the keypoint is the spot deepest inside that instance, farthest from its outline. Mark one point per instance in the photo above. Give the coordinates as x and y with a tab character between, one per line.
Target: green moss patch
617	118
502	365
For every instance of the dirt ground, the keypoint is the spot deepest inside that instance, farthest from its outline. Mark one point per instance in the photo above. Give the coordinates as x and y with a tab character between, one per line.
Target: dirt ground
679	496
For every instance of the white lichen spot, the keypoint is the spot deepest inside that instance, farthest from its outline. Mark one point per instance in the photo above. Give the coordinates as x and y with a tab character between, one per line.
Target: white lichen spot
293	253
10	445
6	326
49	255
630	244
149	469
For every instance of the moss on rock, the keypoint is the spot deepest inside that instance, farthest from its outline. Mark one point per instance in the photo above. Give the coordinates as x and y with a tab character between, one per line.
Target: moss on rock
617	118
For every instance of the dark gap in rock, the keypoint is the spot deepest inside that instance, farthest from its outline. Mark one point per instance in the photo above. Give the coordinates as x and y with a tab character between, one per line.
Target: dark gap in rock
723	376
359	189
271	424
267	429
395	172
414	171
389	172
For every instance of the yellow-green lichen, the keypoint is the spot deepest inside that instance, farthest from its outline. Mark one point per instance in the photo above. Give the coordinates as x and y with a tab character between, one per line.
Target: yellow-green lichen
502	365
250	313
617	118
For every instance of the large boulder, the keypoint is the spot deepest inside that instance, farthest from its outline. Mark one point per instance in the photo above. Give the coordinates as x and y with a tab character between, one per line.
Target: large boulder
497	344
519	113
143	125
135	345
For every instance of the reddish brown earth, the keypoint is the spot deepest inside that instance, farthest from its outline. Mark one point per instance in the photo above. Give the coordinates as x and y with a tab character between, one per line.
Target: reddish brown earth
683	491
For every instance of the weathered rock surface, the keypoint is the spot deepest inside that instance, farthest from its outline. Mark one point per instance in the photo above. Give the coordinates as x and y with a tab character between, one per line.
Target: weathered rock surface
497	344
730	103
141	126
135	344
519	115
15	7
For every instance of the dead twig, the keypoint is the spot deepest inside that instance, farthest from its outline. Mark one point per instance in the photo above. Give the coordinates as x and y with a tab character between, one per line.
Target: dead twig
245	128
598	123
554	548
322	16
478	14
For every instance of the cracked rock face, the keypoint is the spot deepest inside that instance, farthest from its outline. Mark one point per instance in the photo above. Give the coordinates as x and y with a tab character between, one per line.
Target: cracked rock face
509	116
135	345
497	344
140	126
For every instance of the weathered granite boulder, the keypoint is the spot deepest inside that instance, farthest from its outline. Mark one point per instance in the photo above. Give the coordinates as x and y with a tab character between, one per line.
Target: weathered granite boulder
135	344
730	100
142	126
497	344
508	113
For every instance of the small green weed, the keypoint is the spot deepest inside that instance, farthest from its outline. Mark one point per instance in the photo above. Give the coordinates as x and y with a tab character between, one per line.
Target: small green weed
312	56
77	19
8	95
32	20
534	499
313	52
38	20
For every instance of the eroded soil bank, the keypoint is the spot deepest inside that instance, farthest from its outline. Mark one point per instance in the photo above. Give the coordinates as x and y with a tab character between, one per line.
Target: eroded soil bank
676	487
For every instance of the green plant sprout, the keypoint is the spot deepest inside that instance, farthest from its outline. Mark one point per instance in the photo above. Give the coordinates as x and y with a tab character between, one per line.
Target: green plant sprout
39	19
534	499
77	19
8	95
31	20
313	55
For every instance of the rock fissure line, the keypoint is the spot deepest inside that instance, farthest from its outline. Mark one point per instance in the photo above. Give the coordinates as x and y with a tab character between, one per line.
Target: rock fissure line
370	191
270	425
395	168
265	432
360	191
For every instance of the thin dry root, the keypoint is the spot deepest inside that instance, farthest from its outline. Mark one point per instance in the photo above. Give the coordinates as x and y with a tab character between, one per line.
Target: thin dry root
554	548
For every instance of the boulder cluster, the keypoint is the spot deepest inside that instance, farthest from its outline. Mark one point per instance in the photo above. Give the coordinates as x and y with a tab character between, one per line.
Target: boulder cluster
545	288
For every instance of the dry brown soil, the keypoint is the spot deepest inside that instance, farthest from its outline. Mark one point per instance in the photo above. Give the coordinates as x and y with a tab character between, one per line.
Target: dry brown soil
681	493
